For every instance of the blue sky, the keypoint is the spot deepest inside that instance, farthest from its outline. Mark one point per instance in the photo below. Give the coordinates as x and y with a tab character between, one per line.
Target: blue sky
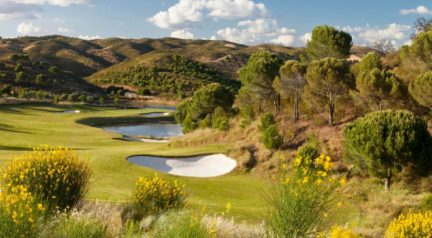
286	22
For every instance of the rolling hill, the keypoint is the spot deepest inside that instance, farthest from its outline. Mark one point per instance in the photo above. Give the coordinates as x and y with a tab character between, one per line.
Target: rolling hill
166	65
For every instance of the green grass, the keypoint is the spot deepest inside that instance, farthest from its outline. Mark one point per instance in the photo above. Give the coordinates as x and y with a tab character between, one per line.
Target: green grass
24	127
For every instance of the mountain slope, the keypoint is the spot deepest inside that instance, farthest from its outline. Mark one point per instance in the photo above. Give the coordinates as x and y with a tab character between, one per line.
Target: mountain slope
162	73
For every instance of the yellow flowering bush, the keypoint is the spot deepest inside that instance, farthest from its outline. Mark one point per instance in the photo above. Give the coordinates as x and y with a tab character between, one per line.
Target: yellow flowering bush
340	232
54	175
302	200
153	196
411	225
20	213
314	170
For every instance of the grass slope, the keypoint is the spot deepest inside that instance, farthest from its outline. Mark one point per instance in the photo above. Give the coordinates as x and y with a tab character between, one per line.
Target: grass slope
26	126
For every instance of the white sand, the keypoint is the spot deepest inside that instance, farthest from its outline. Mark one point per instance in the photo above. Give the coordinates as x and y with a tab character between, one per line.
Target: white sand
128	138
198	166
71	112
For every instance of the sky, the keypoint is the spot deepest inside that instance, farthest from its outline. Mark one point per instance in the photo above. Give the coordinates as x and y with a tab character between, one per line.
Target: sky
251	22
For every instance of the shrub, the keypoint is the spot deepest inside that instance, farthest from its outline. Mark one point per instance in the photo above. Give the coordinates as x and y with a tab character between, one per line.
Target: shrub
420	89
82	98
6	89
53	70
154	196
300	202
73	97
383	143
247	115
266	121
181	225
205	123
310	150
20	213
55	175
410	225
18	67
271	138
220	119
188	124
75	226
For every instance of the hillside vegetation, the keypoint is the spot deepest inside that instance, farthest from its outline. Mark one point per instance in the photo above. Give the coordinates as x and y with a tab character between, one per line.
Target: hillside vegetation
156	73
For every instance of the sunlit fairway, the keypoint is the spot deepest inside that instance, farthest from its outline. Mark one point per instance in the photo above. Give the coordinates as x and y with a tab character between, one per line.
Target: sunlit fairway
24	127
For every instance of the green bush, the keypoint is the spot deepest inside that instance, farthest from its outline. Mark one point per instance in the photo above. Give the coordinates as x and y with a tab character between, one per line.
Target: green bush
271	138
267	120
188	124
247	115
74	226
180	225
220	119
383	143
420	89
310	150
55	175
205	123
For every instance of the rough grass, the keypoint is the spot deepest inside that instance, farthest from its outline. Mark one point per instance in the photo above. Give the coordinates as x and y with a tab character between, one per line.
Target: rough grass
26	126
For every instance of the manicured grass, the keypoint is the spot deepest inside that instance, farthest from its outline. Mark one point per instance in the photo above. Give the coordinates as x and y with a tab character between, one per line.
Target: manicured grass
23	127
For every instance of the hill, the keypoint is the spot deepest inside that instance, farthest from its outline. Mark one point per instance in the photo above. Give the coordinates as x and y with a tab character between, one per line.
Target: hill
166	65
159	72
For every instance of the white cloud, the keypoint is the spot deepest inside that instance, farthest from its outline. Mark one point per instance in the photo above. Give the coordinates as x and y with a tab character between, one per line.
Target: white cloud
87	37
185	12
182	34
286	40
62	3
27	28
393	32
261	30
64	30
398	34
355	29
421	10
28	9
232	9
11	10
305	38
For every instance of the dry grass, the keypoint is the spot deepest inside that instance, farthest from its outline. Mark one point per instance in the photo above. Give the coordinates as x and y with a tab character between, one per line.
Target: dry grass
107	213
228	228
369	208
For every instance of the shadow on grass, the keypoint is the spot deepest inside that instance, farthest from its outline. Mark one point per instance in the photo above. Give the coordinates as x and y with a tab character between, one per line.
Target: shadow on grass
9	128
15	148
12	110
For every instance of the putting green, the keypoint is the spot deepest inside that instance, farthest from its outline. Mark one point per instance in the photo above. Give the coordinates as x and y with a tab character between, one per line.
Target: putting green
23	127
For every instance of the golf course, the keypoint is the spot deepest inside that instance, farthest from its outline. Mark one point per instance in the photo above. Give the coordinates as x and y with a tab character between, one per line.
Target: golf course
25	127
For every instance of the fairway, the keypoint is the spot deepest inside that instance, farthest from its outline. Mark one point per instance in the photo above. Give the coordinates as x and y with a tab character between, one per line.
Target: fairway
24	127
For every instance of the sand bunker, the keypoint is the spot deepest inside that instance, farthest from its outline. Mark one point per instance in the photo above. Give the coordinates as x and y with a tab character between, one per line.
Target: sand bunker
70	112
197	166
156	114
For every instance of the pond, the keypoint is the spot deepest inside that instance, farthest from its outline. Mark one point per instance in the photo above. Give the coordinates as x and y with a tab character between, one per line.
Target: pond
196	166
148	130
